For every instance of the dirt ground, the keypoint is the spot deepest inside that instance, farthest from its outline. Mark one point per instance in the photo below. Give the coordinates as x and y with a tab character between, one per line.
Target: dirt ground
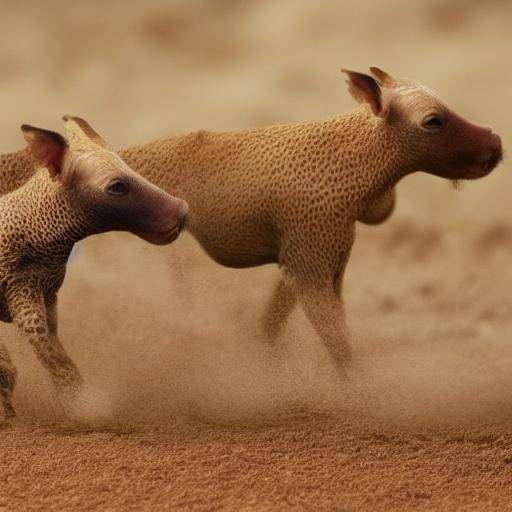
185	407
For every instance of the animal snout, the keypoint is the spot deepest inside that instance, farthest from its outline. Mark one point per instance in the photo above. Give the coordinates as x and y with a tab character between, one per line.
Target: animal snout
180	224
497	140
182	210
175	219
180	214
492	157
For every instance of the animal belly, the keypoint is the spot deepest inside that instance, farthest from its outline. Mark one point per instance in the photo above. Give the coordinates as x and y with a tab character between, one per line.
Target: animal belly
237	248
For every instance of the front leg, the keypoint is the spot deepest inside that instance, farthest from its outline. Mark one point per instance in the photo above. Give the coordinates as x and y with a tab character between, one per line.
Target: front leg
317	268
37	324
51	313
7	382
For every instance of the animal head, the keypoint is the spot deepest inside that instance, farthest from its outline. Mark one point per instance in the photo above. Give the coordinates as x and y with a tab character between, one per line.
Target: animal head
110	195
437	140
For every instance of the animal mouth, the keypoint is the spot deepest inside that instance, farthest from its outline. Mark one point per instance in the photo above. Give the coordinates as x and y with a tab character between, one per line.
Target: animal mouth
494	156
165	236
492	161
172	234
485	166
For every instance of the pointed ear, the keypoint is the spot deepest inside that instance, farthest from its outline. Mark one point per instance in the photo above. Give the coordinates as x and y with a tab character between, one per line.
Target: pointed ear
47	147
383	78
78	128
365	89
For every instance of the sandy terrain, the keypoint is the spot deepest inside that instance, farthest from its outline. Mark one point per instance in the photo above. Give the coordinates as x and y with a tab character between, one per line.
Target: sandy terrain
185	407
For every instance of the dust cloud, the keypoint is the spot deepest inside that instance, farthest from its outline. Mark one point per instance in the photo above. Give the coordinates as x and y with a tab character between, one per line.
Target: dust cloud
155	343
189	407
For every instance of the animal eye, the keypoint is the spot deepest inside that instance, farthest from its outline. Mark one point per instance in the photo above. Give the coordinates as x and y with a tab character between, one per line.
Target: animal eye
432	122
117	188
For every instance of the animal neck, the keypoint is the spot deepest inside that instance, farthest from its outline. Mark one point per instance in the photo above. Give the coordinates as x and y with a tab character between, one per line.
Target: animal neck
16	168
357	142
371	150
52	215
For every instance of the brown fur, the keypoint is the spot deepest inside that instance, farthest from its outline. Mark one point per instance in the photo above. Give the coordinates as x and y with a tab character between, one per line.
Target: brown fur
40	223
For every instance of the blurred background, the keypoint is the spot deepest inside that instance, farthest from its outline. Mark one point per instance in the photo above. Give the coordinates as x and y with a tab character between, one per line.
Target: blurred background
159	330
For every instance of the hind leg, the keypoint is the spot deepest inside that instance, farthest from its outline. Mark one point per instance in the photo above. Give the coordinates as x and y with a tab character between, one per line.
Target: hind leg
7	382
280	307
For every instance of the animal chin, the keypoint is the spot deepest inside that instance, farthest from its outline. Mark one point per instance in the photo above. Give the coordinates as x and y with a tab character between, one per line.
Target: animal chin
473	173
493	161
162	237
482	170
479	170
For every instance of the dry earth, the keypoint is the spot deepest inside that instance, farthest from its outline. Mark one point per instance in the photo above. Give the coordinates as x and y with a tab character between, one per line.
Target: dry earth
185	407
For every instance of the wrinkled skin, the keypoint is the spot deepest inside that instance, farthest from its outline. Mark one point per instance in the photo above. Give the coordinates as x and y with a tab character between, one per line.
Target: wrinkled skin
145	210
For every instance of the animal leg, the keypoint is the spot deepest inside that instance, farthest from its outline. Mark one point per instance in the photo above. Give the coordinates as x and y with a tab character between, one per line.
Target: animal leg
51	314
281	305
7	382
318	284
324	309
38	325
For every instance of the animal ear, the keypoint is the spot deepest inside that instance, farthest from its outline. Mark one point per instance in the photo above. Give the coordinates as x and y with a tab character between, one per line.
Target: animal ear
383	78
47	147
78	128
365	89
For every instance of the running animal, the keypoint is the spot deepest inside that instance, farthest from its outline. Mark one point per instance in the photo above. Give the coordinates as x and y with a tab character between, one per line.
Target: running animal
79	190
291	195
